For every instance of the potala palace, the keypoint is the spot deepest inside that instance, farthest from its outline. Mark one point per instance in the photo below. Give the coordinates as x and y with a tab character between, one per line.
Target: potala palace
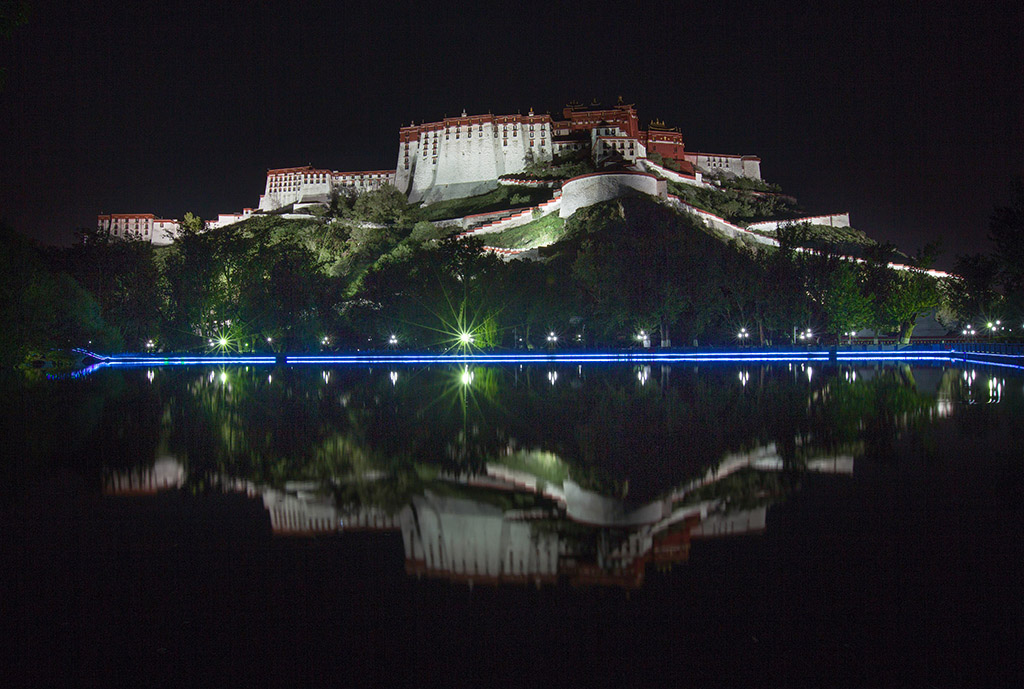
472	154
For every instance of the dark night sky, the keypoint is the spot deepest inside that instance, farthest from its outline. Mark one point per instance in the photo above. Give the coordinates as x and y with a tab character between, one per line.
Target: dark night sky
908	115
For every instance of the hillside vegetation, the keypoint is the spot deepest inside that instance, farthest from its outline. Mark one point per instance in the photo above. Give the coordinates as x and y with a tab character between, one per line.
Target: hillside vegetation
737	205
540	232
504	197
369	268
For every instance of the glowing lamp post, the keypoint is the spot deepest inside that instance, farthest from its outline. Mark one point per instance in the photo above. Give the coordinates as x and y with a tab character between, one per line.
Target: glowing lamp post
644	338
742	335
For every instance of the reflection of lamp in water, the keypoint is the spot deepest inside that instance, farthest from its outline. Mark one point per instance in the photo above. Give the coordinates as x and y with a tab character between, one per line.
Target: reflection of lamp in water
466	377
394	377
643	374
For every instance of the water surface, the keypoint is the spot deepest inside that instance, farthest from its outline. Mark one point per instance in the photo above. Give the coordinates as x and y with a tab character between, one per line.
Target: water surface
769	524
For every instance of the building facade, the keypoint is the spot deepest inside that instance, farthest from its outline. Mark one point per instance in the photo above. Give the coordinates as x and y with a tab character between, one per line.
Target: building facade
298	185
144	226
465	155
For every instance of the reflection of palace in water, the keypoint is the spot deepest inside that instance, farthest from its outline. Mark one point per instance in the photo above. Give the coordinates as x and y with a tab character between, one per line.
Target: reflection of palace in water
463	530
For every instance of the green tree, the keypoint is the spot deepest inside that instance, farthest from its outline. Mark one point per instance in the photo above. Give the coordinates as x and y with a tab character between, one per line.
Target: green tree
123	276
1006	230
834	284
43	308
640	262
974	291
386	205
899	297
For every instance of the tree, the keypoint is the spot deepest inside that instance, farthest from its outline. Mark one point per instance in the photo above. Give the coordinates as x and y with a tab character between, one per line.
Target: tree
912	293
973	292
900	297
833	283
643	263
386	205
43	308
1006	230
123	276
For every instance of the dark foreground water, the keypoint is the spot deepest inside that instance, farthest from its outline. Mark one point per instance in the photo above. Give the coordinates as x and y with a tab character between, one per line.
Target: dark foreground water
777	525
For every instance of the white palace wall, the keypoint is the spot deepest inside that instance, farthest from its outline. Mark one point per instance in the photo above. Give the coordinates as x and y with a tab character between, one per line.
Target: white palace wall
711	163
468	162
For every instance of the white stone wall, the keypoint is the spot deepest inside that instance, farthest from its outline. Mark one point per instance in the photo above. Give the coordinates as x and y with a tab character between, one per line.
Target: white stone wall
469	158
834	220
225	219
720	224
287	186
359	182
601	186
697	180
165	231
144	226
716	163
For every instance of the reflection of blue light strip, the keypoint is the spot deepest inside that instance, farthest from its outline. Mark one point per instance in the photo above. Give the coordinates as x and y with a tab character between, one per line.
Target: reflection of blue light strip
975	362
1010	356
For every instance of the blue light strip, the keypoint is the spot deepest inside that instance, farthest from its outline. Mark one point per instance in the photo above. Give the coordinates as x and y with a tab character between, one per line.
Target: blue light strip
594	357
627	357
185	361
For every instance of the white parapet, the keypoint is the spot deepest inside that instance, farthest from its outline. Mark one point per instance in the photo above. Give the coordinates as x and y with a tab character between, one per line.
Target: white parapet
587	190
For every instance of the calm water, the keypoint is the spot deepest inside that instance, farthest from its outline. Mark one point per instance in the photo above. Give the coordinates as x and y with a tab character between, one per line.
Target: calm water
758	525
